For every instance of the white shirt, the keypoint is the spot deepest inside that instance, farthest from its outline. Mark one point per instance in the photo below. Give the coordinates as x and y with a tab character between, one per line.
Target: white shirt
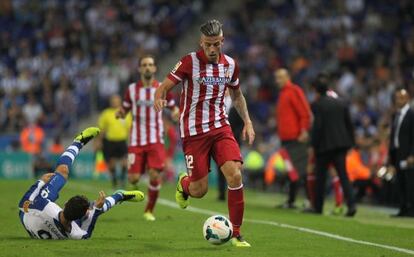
403	112
41	217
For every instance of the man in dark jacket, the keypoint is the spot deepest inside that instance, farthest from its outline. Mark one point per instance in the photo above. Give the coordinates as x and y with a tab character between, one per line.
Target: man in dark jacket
332	136
401	151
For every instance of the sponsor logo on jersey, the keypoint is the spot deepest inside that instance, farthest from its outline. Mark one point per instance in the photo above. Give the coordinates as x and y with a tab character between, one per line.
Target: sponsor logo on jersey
211	80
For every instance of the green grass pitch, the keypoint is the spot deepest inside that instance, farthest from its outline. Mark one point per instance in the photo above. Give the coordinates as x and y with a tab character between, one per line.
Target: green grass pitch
272	232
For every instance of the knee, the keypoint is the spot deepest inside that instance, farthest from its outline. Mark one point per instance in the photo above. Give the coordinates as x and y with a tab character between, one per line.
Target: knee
154	175
133	178
232	172
234	179
63	170
198	192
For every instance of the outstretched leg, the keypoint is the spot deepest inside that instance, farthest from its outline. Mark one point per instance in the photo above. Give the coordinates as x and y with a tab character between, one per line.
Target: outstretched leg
104	204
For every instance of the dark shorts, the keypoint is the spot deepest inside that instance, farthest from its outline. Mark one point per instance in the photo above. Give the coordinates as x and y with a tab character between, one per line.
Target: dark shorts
114	149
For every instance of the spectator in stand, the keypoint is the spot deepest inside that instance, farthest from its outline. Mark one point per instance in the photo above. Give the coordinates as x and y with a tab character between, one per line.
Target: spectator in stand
32	110
40	41
56	147
32	139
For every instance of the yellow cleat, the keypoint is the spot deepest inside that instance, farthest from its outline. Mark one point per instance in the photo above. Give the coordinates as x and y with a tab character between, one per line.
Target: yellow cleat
131	196
180	197
148	216
338	210
86	135
239	242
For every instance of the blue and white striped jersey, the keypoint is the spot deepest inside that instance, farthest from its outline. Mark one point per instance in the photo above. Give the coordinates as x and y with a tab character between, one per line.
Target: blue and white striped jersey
39	213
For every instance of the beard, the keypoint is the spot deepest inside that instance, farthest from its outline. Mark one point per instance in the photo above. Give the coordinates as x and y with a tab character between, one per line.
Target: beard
147	76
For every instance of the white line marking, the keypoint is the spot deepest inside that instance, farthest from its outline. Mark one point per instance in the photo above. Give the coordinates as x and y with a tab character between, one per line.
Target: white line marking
172	204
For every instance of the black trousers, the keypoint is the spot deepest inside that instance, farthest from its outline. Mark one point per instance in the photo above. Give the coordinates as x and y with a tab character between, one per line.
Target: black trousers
337	158
298	153
405	183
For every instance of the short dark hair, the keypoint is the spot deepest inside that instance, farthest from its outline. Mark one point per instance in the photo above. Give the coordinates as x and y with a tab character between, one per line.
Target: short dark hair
399	89
211	28
76	207
146	56
321	83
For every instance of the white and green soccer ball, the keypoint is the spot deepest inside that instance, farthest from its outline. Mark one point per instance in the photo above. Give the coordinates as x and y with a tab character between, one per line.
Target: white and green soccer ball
217	230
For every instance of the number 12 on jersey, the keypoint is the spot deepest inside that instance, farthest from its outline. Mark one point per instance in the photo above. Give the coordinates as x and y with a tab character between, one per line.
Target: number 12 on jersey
189	161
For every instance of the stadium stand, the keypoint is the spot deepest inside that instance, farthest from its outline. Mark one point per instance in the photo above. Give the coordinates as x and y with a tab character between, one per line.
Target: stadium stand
71	55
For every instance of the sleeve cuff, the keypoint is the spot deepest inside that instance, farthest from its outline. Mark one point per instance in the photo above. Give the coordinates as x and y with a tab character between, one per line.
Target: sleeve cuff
41	183
234	84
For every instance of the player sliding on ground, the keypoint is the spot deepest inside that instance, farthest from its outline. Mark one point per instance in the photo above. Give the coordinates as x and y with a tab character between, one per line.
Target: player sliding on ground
205	130
44	219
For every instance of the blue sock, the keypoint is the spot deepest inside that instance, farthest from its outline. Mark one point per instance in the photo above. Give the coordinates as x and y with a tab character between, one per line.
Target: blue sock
110	201
70	154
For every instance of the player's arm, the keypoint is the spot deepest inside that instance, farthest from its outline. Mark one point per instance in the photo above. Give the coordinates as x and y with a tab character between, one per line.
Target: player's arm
126	106
160	97
34	190
175	111
239	103
88	222
122	112
179	73
102	124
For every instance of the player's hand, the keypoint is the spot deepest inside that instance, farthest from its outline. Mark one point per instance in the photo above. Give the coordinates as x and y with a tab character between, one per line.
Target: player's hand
101	200
303	137
46	177
410	161
159	104
249	132
175	114
391	169
120	114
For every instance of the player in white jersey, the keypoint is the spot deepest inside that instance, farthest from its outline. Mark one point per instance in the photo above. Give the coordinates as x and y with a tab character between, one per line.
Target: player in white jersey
44	219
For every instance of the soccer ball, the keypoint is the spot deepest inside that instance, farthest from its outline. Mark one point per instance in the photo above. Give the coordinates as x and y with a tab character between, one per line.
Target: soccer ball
217	230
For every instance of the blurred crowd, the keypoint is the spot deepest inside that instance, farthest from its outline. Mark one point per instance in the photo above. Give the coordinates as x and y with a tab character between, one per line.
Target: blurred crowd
61	60
367	46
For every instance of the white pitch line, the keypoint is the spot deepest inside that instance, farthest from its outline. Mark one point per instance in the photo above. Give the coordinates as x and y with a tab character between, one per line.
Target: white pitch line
172	204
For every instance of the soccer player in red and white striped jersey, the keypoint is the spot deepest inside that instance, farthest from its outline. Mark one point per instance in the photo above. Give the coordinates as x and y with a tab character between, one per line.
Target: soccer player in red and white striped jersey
146	140
204	127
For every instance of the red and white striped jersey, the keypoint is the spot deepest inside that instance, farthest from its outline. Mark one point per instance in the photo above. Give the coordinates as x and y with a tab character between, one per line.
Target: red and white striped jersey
202	96
147	126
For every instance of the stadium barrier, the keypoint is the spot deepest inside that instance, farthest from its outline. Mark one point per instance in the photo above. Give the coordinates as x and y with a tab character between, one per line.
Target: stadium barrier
19	165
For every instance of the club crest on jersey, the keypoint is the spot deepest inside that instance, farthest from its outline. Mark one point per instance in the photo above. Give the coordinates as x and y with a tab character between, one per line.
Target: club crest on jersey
226	72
